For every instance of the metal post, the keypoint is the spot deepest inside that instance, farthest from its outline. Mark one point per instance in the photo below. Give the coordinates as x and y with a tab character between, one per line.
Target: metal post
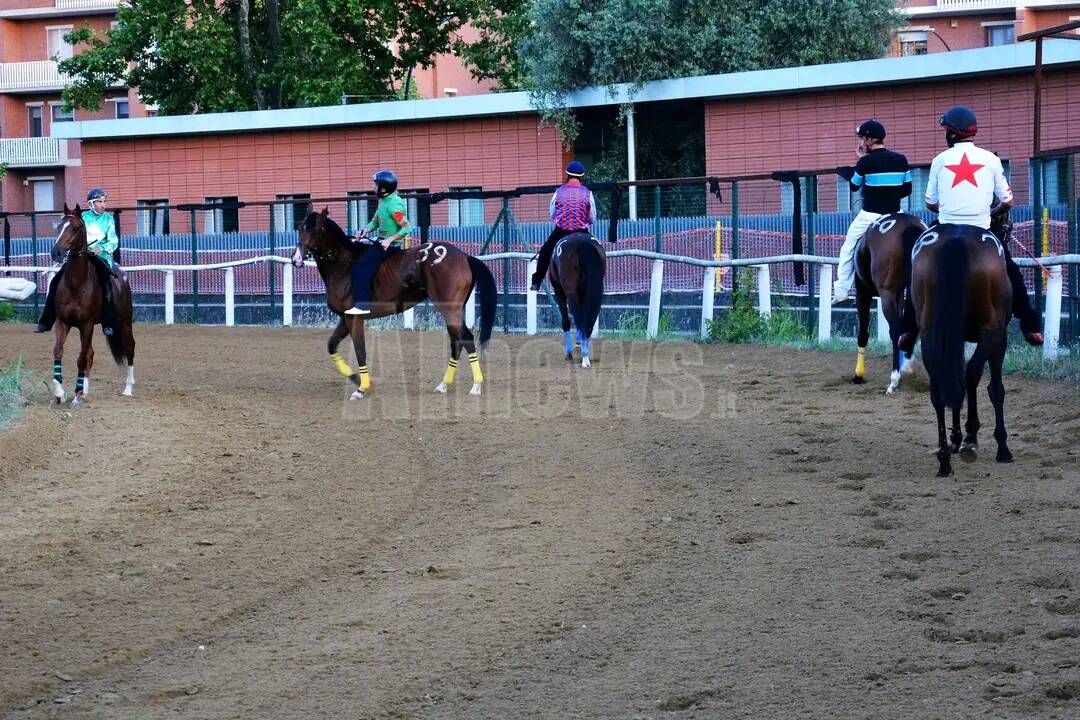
1037	222
230	297
506	264
659	244
287	294
116	226
7	243
734	233
1074	245
631	161
708	296
1037	129
194	273
1052	316
656	289
825	303
811	208
530	304
34	249
764	289
170	297
271	271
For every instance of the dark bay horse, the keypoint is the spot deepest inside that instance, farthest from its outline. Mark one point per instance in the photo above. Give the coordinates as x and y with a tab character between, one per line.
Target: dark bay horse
961	292
883	268
436	271
577	280
78	305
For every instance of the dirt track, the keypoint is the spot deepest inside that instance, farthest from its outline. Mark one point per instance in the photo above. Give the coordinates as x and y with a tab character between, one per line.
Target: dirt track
683	531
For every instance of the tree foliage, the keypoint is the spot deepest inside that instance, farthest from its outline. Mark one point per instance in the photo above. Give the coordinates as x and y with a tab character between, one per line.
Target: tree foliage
206	56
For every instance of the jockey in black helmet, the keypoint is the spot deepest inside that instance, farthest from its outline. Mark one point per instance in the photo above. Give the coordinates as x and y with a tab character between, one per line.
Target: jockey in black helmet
572	209
963	184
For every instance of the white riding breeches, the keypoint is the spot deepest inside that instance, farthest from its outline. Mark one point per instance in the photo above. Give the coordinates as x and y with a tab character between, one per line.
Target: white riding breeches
845	273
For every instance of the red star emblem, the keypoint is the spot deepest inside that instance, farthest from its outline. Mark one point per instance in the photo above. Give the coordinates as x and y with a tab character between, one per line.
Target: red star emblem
964	171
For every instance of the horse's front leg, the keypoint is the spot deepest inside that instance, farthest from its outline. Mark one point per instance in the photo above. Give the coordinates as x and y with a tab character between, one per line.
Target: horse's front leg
332	347
86	361
862	302
60	333
560	298
356	330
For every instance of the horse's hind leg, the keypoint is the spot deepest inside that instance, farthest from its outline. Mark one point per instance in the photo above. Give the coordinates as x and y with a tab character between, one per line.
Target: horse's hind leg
60	336
129	352
332	347
460	337
862	302
892	308
996	390
86	361
969	448
564	310
944	451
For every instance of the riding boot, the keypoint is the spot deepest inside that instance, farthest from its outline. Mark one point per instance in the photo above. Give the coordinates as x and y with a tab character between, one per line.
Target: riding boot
1030	320
48	314
108	307
543	259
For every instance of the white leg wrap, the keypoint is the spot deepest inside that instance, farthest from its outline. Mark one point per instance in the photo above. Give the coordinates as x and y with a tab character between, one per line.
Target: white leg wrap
58	391
130	383
894	382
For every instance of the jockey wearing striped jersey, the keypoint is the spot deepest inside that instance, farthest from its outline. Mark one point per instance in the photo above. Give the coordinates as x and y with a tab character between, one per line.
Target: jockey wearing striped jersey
963	184
884	179
572	209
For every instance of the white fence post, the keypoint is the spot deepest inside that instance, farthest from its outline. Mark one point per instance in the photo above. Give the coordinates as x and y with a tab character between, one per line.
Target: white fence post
530	304
654	298
882	324
286	294
470	310
170	297
708	297
824	303
409	319
764	289
230	296
1052	318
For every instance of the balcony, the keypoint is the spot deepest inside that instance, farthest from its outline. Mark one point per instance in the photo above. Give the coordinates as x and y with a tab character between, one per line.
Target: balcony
86	4
33	76
961	7
32	151
41	9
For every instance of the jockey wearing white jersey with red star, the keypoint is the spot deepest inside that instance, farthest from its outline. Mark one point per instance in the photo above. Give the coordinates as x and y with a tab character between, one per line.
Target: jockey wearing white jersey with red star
961	189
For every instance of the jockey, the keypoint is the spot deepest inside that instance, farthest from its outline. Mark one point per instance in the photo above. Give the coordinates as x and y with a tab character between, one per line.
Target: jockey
961	189
572	209
101	242
884	179
392	225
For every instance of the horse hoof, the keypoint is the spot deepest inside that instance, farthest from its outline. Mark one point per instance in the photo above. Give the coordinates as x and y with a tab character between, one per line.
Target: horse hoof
858	380
586	363
944	472
570	356
1004	456
968	453
908	366
76	401
442	388
126	393
475	389
357	395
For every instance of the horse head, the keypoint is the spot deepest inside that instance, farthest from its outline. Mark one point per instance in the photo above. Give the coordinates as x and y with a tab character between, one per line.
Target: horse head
313	236
72	237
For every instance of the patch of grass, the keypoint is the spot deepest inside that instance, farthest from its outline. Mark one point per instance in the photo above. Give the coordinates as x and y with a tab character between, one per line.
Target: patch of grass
11	395
1026	360
10	313
634	326
743	323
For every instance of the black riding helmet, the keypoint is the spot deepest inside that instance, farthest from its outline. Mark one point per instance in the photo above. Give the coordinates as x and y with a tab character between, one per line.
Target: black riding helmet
959	122
872	129
385	182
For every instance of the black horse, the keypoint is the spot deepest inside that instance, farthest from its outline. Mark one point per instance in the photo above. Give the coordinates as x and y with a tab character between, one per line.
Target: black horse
577	279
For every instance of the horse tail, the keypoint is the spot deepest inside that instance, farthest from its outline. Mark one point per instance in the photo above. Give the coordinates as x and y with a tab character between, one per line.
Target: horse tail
590	287
943	347
484	283
116	346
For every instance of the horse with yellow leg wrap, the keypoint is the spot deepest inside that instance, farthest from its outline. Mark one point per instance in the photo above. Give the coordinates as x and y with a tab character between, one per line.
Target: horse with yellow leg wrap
436	271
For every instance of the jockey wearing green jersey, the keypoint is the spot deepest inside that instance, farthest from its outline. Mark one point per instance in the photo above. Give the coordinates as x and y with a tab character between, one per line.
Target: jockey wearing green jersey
392	226
101	243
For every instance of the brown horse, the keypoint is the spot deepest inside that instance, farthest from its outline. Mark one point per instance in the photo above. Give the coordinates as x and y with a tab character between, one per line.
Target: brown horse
577	280
961	291
78	305
438	271
883	268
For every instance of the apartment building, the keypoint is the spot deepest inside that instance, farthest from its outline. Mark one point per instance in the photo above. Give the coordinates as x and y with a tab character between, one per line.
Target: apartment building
42	171
943	25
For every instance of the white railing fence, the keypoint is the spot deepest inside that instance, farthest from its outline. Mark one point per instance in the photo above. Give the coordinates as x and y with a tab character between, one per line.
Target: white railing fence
30	151
1051	321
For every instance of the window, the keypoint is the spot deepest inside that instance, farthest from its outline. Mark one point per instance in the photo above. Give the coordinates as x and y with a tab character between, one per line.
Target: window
362	209
466	212
290	211
916	201
1054	182
58	47
152	217
1000	35
845	199
61	115
912	42
35	128
222	220
121	109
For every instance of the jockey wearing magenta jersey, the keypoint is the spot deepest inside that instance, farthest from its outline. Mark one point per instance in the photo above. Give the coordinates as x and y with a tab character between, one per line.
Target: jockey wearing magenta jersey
963	183
572	209
101	243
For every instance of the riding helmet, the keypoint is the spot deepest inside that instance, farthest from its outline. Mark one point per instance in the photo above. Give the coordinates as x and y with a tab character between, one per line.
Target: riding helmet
960	121
385	182
871	129
96	194
575	169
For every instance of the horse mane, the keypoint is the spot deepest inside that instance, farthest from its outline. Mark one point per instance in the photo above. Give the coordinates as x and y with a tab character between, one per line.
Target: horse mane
328	224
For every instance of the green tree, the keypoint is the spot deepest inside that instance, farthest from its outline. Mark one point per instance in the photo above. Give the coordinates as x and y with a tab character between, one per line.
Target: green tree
501	25
205	56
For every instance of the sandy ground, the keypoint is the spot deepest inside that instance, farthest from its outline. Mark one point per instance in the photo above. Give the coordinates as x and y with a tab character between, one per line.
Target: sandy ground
683	531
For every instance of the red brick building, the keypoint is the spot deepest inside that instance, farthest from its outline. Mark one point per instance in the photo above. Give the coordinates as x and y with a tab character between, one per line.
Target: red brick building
941	25
754	122
44	171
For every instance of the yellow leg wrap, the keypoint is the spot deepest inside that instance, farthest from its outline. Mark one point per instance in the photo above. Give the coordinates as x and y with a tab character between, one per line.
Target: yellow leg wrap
451	372
365	379
341	365
474	365
860	363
